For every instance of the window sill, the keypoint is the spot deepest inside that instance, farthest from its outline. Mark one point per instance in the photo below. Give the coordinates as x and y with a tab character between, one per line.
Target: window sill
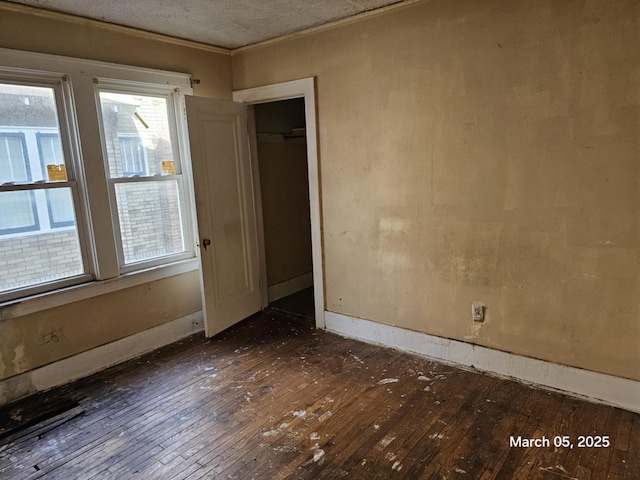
44	301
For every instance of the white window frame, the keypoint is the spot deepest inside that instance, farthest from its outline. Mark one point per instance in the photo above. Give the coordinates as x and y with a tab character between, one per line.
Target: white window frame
65	114
174	103
79	107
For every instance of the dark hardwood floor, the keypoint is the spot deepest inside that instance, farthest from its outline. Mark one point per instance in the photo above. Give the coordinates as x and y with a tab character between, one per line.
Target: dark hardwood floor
273	398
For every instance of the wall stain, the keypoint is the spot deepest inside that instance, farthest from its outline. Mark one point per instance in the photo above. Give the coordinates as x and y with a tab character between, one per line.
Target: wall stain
53	336
3	367
19	361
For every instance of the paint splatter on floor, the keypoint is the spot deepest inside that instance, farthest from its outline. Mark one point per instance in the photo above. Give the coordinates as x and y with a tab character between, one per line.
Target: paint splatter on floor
318	454
385	442
384	381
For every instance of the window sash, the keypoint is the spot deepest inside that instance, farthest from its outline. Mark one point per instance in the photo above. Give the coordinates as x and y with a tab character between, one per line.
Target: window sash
127	265
40	204
50	152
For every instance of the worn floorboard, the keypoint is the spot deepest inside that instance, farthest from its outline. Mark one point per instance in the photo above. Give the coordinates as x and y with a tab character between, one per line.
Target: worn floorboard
272	398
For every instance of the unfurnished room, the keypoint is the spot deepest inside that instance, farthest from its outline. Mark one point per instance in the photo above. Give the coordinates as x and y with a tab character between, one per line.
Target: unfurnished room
316	240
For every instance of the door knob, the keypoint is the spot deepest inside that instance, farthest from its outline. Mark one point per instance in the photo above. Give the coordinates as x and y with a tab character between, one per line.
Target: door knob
206	242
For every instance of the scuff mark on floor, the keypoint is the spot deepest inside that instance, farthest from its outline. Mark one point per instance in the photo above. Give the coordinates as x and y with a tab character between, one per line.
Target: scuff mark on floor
324	416
386	441
384	381
564	473
318	454
285	448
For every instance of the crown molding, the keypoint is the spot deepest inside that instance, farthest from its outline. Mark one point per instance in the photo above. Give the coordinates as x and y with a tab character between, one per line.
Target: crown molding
328	26
66	17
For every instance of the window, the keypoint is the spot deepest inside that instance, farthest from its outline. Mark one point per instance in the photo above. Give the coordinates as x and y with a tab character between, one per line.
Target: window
59	202
19	206
34	202
92	184
132	155
144	173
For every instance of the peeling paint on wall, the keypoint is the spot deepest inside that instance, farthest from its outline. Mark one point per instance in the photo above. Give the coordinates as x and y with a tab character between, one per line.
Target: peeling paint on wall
19	361
3	367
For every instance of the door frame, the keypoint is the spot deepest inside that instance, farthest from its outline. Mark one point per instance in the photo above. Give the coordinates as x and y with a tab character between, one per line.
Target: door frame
302	88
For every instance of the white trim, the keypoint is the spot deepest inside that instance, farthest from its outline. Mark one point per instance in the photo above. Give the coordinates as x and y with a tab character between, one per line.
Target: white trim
257	202
57	298
584	384
304	88
99	358
288	287
31	62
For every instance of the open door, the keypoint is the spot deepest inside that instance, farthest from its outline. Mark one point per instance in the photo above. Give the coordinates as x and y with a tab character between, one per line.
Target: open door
226	211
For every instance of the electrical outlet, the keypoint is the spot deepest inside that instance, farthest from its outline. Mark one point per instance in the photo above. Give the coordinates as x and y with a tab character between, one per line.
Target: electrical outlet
477	312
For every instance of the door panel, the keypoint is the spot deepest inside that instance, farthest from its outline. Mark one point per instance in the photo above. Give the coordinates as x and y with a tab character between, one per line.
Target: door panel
226	211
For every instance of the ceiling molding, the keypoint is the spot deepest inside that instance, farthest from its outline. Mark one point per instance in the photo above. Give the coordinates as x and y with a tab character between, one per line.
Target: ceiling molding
329	26
66	17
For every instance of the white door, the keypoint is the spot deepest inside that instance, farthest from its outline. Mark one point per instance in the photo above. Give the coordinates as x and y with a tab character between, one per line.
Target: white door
226	211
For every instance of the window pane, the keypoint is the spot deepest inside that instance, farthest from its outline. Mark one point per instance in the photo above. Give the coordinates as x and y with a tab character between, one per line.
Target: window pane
19	213
137	135
150	219
26	111
60	206
38	256
50	150
132	155
14	166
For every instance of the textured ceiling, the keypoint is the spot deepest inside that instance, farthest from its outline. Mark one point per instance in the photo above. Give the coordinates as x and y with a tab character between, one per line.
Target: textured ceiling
223	23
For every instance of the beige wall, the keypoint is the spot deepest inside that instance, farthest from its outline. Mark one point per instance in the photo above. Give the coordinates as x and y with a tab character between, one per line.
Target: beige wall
481	151
20	29
285	205
35	340
38	339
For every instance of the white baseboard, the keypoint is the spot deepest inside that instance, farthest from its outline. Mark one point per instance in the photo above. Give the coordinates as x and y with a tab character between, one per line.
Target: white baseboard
584	384
288	287
99	358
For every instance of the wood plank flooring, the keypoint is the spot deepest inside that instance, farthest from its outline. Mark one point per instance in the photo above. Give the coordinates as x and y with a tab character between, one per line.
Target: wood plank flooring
272	398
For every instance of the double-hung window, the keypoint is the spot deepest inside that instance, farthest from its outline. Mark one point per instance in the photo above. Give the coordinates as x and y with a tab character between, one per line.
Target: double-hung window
144	173
40	244
92	180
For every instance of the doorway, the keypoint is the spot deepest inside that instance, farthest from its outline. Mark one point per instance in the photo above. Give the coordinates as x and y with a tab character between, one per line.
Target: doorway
303	93
282	165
